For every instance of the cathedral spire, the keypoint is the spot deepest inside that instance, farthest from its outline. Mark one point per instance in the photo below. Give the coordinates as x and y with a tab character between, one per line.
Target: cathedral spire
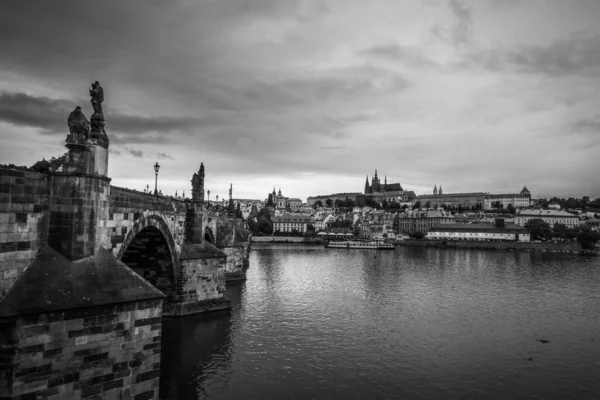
440	191
435	191
367	185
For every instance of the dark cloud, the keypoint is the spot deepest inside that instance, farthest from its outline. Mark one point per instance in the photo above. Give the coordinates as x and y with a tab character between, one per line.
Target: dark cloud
22	109
574	55
408	55
135	153
50	116
588	125
165	156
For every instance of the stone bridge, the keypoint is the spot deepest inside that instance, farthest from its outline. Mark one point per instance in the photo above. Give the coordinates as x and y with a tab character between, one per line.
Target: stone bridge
183	247
87	271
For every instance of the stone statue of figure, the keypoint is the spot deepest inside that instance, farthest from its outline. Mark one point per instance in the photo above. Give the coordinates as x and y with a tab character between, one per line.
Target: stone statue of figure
78	124
97	94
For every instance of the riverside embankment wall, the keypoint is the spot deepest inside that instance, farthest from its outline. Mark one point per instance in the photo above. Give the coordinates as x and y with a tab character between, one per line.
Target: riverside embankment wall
285	239
519	246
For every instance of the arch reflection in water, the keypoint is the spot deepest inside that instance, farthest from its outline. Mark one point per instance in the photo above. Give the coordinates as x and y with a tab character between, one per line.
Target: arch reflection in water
193	347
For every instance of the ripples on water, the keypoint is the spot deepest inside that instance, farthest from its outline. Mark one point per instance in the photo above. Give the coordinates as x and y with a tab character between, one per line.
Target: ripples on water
411	323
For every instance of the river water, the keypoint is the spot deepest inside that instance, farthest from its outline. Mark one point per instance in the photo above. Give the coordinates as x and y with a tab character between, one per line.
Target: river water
412	323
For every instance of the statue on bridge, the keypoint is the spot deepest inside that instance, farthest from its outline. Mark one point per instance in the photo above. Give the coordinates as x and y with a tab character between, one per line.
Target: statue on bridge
79	126
98	134
97	94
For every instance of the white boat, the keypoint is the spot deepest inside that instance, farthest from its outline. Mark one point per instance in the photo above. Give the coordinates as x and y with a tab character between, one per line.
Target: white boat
353	244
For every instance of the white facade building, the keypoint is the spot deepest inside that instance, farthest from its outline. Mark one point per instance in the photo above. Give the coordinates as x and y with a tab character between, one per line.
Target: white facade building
549	216
517	200
291	222
479	232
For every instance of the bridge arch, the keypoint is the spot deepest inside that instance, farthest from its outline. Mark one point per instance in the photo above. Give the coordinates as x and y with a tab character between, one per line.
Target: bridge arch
209	236
149	249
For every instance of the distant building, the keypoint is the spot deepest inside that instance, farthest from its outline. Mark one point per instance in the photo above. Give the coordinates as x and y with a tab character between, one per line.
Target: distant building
291	222
421	221
280	201
480	232
390	192
517	200
549	216
295	204
321	222
554	206
451	200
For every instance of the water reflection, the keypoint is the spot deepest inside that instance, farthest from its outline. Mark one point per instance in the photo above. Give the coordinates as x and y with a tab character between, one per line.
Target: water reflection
194	349
414	323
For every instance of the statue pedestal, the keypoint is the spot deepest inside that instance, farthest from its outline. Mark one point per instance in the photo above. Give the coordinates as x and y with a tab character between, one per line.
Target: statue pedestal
76	158
87	159
98	135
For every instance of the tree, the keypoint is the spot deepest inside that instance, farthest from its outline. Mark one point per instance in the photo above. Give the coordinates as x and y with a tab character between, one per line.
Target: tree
318	203
238	211
588	239
428	204
329	203
539	229
419	235
417	205
511	209
270	200
265	224
560	230
252	225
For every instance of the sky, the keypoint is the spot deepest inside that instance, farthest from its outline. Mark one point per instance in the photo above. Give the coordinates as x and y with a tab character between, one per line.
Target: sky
311	96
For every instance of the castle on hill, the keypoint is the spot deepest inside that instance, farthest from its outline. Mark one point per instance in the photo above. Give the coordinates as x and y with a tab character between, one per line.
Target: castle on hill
387	191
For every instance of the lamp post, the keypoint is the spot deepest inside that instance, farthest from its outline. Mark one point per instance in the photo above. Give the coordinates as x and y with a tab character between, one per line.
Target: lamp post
208	196
156	168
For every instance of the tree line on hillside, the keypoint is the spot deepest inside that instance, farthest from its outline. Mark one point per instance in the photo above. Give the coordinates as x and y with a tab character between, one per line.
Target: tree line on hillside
571	203
541	230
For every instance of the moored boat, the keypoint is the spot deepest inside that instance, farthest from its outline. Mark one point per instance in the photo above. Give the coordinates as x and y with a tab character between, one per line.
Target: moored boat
354	244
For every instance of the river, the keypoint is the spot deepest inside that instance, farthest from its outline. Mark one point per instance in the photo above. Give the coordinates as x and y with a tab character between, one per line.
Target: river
412	323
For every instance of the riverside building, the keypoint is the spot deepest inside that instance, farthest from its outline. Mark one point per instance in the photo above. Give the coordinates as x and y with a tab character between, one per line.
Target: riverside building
550	216
497	232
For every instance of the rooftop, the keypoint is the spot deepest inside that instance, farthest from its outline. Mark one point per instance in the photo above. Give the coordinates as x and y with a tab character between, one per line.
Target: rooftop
545	213
293	218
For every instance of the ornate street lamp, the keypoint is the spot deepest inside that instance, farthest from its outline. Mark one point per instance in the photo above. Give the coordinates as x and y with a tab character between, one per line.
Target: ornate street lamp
156	168
208	196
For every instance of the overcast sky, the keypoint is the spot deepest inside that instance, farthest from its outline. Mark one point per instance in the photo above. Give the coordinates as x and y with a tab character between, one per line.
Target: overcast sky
310	96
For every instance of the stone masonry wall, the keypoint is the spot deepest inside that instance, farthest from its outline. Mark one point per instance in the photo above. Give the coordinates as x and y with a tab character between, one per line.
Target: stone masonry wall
23	222
234	267
200	287
106	352
77	204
